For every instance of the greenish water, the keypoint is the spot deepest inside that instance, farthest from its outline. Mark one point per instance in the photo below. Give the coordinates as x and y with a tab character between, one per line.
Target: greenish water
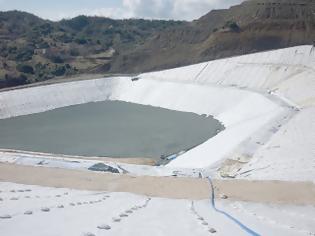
111	128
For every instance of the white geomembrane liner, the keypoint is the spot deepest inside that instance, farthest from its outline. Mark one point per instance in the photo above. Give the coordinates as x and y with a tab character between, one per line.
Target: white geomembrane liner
42	211
258	98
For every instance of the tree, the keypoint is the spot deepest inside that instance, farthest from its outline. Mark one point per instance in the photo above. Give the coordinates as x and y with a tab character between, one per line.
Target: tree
77	23
25	69
24	54
57	59
14	80
59	71
80	40
233	26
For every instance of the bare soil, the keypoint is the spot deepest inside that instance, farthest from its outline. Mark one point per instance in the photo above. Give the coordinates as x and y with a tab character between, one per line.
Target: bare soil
165	187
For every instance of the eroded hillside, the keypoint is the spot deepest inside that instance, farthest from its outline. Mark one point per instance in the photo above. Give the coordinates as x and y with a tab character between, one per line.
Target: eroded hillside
253	26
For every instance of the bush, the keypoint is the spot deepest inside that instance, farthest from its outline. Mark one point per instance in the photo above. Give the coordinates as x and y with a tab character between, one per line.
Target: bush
45	28
43	44
77	23
80	41
233	26
24	54
74	52
59	71
14	80
57	59
25	69
12	49
65	38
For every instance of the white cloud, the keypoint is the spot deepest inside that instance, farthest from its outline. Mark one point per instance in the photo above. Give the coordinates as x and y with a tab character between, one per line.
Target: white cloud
117	13
151	9
174	9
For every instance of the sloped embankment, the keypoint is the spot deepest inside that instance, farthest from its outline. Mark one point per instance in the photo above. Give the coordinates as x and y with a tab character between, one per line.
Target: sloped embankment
254	96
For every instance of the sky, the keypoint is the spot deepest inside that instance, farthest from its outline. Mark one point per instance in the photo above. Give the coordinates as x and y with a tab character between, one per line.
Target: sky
118	9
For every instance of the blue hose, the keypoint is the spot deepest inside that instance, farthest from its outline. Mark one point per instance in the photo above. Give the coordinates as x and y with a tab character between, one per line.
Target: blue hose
244	227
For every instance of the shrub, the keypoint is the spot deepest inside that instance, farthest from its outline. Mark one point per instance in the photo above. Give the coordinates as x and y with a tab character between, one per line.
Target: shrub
43	44
59	71
80	41
57	59
25	69
74	52
24	54
65	38
233	26
77	23
46	28
14	80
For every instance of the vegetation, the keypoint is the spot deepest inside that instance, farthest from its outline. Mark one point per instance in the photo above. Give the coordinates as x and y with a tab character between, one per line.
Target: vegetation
233	26
59	71
10	80
77	23
33	49
25	69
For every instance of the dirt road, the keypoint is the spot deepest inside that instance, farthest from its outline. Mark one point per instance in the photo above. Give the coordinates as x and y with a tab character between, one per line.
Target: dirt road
165	187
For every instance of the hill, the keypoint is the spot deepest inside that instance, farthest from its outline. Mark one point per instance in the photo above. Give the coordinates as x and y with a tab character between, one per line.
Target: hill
252	26
33	49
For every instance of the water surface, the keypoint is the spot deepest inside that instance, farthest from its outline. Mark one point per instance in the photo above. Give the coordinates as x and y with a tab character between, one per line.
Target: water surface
110	128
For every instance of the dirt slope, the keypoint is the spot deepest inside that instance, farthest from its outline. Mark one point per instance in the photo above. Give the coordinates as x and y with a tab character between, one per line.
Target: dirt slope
252	26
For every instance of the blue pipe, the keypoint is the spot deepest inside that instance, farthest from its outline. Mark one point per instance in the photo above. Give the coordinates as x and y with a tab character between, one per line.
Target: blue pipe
244	227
